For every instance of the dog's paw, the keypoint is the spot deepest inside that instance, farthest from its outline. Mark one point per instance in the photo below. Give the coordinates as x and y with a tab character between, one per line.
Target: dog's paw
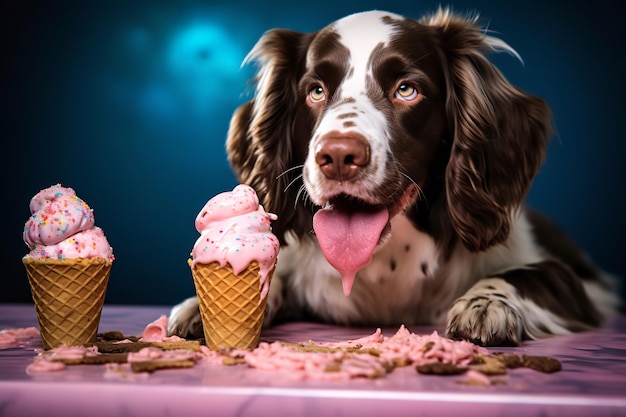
185	320
488	315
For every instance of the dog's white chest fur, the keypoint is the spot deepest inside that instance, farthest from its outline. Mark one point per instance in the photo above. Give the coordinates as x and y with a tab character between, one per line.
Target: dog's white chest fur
398	282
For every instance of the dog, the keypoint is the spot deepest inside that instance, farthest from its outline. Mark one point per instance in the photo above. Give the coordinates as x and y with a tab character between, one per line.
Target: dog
398	158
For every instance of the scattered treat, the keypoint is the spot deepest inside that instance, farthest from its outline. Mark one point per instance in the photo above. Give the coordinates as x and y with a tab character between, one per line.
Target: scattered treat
113	335
151	359
68	266
193	345
127	346
335	364
142	356
312	347
155	331
17	337
39	365
231	361
122	346
151	366
406	348
477	378
95	360
440	368
488	365
123	372
232	265
509	360
55	359
479	371
69	353
372	356
541	363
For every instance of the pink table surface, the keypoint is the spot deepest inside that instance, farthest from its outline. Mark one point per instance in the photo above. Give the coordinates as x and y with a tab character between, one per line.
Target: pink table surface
591	383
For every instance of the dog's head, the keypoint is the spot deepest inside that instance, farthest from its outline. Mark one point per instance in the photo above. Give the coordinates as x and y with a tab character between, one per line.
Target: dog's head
378	114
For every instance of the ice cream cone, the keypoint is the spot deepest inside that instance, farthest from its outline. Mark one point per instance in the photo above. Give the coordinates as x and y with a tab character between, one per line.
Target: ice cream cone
68	296
230	305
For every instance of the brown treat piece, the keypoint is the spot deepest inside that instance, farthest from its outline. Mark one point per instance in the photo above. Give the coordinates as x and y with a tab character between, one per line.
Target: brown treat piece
185	344
122	347
311	348
510	360
125	347
326	349
333	367
541	363
488	365
399	362
231	361
391	365
112	335
96	360
440	368
428	346
476	383
151	366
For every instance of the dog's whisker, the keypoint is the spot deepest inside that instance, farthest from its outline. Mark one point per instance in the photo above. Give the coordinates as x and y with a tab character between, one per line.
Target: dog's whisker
295	201
420	191
292	182
305	196
290	169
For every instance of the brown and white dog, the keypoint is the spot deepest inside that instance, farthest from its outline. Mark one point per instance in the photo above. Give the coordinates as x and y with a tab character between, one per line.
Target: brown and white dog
398	158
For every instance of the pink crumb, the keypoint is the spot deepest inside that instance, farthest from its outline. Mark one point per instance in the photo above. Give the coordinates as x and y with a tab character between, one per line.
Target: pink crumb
17	337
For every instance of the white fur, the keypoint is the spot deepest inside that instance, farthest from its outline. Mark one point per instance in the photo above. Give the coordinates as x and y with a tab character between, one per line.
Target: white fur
361	43
370	123
607	302
405	294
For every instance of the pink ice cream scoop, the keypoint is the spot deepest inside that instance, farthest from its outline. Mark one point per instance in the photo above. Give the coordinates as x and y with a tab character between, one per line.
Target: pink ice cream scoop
156	331
235	229
62	226
58	215
49	194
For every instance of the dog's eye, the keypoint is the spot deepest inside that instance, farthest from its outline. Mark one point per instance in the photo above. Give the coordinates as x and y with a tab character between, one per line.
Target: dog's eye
317	94
406	92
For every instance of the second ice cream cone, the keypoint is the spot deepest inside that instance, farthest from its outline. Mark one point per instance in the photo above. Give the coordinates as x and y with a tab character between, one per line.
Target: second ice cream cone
68	296
231	306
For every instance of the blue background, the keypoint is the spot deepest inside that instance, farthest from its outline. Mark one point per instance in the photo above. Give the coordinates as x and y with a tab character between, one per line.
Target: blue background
129	102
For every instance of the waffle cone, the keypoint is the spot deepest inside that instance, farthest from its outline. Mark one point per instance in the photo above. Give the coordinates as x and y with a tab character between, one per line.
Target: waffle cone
230	305
68	296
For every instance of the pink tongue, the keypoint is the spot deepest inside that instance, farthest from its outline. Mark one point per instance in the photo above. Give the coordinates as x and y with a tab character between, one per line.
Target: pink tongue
348	239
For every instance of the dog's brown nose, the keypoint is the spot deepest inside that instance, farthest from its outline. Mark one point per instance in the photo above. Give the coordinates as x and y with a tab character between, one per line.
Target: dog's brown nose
341	157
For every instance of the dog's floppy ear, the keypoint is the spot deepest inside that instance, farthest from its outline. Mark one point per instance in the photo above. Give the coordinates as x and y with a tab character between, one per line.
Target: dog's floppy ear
262	133
499	134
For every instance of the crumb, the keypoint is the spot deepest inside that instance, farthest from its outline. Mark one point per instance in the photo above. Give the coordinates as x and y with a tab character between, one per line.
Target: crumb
151	366
112	335
440	368
541	363
126	347
96	360
510	360
231	361
488	365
